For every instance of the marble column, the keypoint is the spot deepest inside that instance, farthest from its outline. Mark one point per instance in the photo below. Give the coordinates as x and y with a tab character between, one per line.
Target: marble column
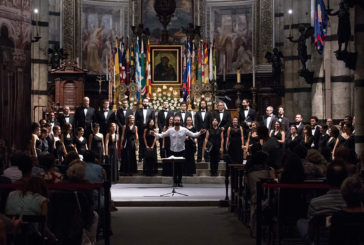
359	83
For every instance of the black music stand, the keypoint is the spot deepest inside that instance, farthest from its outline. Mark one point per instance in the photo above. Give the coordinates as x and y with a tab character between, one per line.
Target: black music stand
173	160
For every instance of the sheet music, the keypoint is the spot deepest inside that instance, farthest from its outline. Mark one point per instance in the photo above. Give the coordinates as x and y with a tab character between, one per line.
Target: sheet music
177	158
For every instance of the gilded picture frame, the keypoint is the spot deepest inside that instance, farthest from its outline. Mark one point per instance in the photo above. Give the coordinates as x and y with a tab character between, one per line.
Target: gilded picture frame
166	64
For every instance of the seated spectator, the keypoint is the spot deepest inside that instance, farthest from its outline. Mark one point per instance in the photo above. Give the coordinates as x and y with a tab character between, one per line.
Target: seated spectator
349	157
293	172
50	175
318	160
70	156
13	172
270	146
25	166
348	225
94	173
311	170
329	203
31	199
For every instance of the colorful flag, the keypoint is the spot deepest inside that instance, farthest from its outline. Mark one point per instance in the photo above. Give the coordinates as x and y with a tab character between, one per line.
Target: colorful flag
210	64
206	64
132	63
148	73
127	62
214	63
199	64
116	63
142	71
122	62
193	64
320	23
137	68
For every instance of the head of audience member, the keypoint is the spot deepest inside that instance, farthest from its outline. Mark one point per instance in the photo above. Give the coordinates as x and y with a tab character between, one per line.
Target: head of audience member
86	102
165	105
269	111
280	111
183	107
66	110
150	124
263	132
348	128
145	103
36	128
221	106
34	185
348	119
80	132
313	121
323	129
76	171
336	174
42	122
259	158
43	133
189	122
24	163
112	128
89	157
203	105
170	121
329	122
177	121
277	126
307	131
52	116
69	157
106	105
300	151
56	130
131	120
293	171
334	132
314	156
96	128
245	103
349	157
67	128
47	161
352	190
298	119
124	104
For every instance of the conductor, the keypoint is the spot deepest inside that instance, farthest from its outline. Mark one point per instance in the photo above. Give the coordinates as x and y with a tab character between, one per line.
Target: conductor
178	135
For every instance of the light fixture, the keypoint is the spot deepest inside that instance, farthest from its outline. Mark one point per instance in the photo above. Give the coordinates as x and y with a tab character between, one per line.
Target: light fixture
36	11
36	38
290	11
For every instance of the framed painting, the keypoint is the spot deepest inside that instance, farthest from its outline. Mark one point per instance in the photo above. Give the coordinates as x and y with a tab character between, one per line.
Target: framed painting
182	16
166	63
231	27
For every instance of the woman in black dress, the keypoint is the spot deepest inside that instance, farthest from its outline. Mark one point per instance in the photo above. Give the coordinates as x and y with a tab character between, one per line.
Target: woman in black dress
214	136
235	142
150	158
166	143
111	148
333	139
67	139
58	147
80	141
293	139
307	138
190	149
96	143
35	141
347	137
252	139
278	133
129	136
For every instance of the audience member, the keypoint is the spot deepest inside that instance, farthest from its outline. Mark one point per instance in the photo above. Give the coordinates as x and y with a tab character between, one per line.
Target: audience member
50	175
13	172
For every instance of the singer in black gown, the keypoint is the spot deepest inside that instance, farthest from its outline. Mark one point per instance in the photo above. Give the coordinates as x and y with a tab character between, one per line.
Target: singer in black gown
234	142
190	149
128	156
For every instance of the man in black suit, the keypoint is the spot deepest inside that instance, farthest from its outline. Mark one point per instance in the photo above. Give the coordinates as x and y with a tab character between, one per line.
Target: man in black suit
315	132
269	119
246	117
85	116
299	124
52	121
163	116
203	119
122	114
104	117
183	113
142	116
66	117
283	120
223	117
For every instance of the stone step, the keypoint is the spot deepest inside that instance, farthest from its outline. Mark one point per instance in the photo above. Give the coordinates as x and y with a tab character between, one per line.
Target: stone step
200	165
169	180
199	172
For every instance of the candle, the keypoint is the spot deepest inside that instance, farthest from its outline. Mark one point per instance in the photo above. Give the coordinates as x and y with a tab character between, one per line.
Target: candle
238	76
198	13
132	13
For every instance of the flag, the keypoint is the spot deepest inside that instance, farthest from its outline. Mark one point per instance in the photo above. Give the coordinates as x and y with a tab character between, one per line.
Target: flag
132	63
214	63
320	23
116	63
184	75
193	64
137	68
187	85
122	62
206	64
142	71
127	62
199	64
210	64
111	65
148	73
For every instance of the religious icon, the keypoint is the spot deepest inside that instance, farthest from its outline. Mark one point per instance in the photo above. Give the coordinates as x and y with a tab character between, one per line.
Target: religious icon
166	63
